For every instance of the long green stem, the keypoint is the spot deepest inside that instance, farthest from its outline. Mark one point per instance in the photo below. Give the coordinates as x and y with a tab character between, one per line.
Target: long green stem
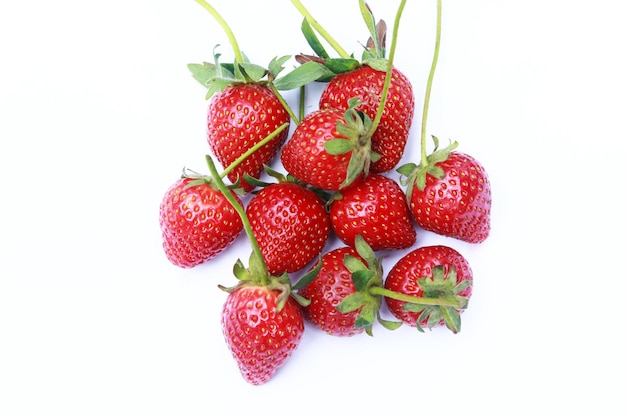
253	149
429	84
392	52
225	27
444	302
315	25
242	214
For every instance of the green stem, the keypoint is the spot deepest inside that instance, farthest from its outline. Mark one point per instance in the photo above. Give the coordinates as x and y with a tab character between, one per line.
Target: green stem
225	27
444	302
242	214
429	84
314	24
302	101
392	52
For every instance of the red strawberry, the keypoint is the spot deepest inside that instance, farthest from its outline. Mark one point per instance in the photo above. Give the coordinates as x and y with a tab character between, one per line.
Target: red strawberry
291	225
327	290
197	222
327	149
375	208
438	272
391	135
239	117
260	335
342	294
450	195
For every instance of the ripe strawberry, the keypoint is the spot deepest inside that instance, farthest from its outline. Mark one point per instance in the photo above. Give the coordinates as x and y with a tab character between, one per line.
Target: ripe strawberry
326	149
239	117
290	224
197	221
391	135
327	290
433	272
450	195
260	335
375	208
342	292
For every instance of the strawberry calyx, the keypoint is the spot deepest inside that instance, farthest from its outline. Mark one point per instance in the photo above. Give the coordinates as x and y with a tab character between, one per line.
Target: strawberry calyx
366	277
355	129
444	287
414	175
440	299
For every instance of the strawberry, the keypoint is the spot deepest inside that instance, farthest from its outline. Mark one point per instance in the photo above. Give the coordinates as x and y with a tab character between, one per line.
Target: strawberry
450	194
366	83
260	334
290	223
341	299
375	208
239	117
432	272
326	149
197	221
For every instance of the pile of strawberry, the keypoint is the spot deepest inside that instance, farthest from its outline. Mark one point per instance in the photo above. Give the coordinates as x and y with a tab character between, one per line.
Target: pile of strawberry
336	180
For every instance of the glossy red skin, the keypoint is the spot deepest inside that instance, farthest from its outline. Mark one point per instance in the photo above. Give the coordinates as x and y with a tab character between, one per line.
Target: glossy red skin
416	264
327	290
376	208
290	224
458	205
304	156
259	338
197	223
392	133
239	117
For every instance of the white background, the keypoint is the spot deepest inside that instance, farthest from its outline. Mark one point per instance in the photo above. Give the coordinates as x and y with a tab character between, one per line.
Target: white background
98	115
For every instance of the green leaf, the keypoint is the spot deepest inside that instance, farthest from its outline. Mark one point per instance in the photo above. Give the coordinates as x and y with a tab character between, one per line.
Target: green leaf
312	39
276	65
379	64
341	65
252	72
406	170
352	302
388	324
368	17
366	317
240	271
338	146
354	264
302	75
361	278
452	319
202	72
365	250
